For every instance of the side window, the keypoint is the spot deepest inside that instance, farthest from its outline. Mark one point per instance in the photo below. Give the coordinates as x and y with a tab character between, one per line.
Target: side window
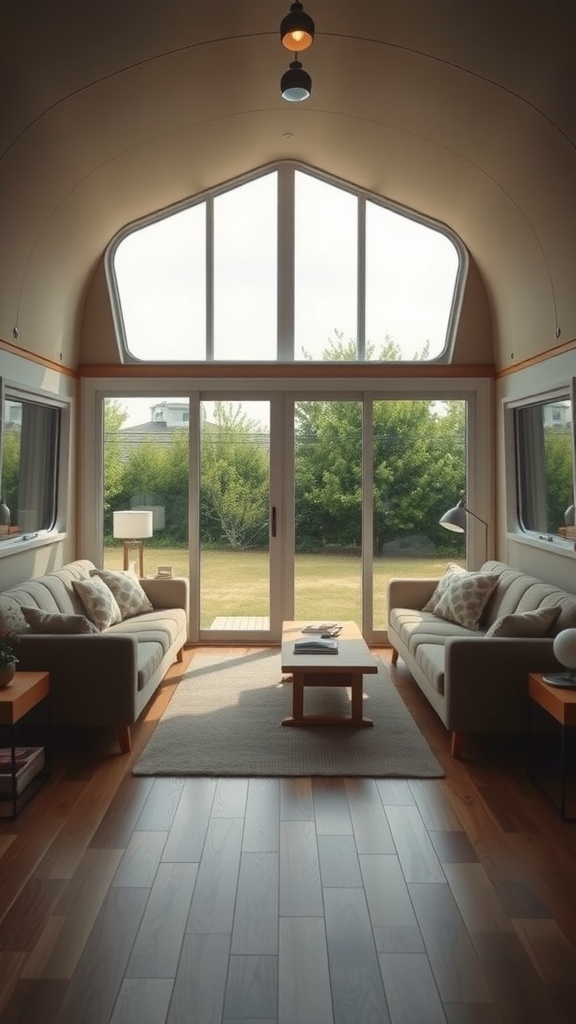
28	466
544	461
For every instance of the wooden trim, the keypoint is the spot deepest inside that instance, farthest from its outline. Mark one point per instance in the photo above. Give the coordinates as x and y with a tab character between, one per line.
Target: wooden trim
542	357
31	357
281	371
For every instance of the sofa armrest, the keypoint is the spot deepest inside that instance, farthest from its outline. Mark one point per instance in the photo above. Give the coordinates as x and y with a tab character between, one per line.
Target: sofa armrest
167	593
486	679
408	592
93	677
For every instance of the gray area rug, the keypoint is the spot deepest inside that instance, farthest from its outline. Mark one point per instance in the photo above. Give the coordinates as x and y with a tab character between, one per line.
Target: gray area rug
225	717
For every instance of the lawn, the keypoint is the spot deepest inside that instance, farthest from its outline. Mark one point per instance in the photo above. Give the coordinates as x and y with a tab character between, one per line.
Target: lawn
326	585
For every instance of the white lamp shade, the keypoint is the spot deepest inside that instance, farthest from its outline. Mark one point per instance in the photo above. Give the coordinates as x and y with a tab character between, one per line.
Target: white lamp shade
132	525
564	648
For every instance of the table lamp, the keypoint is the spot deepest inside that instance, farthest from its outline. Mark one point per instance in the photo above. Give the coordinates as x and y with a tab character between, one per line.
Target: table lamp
564	648
132	527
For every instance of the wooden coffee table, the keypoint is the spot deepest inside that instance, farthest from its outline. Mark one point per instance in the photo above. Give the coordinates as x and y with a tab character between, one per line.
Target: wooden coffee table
346	668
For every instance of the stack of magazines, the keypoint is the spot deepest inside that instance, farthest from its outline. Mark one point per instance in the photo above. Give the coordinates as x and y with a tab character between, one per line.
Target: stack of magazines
323	628
28	762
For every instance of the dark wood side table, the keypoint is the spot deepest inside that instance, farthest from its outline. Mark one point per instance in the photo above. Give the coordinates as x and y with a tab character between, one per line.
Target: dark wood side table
26	692
560	704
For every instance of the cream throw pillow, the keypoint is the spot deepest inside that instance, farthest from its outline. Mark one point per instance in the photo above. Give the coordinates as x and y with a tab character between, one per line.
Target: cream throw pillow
99	602
465	598
450	571
57	622
525	624
130	596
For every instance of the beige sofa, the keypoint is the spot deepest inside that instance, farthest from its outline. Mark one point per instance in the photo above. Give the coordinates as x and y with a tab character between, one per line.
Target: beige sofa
103	678
476	683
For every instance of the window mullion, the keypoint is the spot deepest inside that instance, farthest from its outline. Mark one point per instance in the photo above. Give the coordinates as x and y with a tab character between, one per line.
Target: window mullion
285	294
361	290
210	279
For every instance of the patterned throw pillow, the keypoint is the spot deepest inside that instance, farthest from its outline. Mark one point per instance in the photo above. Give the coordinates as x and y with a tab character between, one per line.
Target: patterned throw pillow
56	622
130	597
466	597
525	624
99	602
450	571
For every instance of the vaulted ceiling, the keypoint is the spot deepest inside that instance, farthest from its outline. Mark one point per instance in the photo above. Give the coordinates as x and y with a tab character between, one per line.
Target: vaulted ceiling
466	112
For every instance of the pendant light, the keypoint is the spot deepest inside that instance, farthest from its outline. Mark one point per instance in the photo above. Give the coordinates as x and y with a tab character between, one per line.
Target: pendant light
295	84
297	29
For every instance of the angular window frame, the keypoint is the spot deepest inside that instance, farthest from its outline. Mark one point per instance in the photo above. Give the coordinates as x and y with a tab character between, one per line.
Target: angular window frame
285	342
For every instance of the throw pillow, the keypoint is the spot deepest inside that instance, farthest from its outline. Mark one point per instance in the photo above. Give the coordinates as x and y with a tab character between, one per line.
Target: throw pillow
130	596
99	602
525	624
56	622
466	597
451	570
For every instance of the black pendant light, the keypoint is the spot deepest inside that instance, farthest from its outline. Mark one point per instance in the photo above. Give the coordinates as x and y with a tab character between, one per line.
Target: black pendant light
297	29
295	84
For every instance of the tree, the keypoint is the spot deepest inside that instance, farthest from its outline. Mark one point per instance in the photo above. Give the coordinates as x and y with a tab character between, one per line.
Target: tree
115	416
234	488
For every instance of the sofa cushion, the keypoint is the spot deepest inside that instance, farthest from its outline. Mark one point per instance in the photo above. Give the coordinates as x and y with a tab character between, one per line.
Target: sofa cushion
451	570
99	602
464	598
525	624
130	597
57	622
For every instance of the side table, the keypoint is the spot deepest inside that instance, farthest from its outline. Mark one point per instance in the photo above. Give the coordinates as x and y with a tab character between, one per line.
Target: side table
560	705
26	691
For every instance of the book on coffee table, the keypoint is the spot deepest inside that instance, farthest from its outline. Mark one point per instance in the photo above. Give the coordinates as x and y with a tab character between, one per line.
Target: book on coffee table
316	646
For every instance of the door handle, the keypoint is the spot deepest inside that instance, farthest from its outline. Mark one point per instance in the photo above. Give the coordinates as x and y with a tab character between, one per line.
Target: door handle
273	521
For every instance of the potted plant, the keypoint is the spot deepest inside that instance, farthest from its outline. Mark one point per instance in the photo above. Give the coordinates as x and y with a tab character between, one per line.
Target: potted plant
8	659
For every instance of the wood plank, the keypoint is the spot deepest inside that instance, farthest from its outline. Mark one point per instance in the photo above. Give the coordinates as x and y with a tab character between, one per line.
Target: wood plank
161	805
29	913
187	834
410	989
415	851
303	976
262	819
157	945
331	809
355	977
212	907
296	800
94	988
140	860
369	822
59	946
518	989
145	1000
454	961
230	798
119	821
255	927
339	865
28	996
251	988
393	919
436	810
300	886
200	983
476	898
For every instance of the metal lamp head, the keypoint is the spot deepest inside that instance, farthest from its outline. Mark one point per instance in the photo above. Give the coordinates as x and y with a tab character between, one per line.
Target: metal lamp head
564	648
455	518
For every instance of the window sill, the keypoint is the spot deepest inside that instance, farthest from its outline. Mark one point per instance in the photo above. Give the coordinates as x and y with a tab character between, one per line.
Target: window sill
28	541
545	542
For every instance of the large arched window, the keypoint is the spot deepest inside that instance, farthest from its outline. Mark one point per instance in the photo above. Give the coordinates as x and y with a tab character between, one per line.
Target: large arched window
286	265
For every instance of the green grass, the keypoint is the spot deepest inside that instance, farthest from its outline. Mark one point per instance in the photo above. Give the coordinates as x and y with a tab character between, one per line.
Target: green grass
327	586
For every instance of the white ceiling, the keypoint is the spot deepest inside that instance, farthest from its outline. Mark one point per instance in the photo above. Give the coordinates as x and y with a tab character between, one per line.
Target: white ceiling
466	112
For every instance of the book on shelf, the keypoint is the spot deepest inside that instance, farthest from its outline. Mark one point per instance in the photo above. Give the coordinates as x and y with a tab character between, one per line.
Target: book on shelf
318	645
29	761
330	628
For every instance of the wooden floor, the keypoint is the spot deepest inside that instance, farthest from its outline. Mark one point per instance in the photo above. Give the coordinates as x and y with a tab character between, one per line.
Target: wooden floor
298	901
